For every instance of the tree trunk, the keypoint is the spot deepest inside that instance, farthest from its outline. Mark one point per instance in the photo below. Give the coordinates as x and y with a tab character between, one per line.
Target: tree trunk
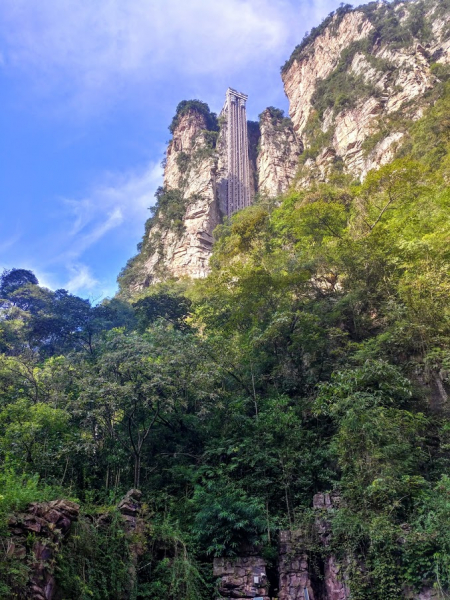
137	470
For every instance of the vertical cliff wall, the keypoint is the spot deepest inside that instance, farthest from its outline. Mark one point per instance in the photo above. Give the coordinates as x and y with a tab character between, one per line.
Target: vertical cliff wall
277	161
192	201
178	237
362	75
183	248
354	85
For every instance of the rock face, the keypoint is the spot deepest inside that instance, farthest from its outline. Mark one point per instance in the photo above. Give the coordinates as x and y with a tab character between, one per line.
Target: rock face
242	577
130	508
334	579
49	523
351	85
195	183
293	568
190	169
277	162
317	61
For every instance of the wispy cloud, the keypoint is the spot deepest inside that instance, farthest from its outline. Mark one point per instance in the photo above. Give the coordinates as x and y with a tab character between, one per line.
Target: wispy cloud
9	242
112	213
120	202
100	47
81	280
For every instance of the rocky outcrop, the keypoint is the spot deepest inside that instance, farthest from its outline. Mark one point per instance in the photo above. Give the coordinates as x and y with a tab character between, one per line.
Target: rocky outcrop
334	577
298	581
195	177
190	168
317	61
46	524
130	508
36	536
242	577
293	568
353	86
277	162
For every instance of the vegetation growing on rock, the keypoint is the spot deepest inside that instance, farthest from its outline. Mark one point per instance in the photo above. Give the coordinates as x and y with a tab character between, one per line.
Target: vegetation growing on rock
314	357
185	106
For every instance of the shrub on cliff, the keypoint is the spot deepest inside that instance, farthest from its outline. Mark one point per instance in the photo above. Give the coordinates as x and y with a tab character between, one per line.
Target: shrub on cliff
185	106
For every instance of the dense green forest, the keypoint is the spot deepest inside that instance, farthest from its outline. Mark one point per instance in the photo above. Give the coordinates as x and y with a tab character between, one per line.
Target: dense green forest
315	357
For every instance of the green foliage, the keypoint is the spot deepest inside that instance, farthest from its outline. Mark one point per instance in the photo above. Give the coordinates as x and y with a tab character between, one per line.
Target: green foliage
301	49
14	279
210	138
173	309
317	138
34	434
395	27
427	548
278	120
95	561
171	570
169	209
183	160
17	491
275	113
186	106
227	520
430	137
315	356
342	89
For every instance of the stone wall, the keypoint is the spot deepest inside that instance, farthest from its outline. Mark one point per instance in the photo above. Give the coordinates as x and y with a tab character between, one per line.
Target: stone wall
293	568
242	577
48	523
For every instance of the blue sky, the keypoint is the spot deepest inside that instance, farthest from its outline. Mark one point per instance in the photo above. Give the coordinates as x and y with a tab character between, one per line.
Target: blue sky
88	89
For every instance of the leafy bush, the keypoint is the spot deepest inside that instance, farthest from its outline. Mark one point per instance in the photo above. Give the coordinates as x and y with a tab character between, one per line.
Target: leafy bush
169	209
170	570
95	562
183	160
185	106
17	491
227	520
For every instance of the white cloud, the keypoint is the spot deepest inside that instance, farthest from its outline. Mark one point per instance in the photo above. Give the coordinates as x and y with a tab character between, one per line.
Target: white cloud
110	215
120	202
103	45
81	279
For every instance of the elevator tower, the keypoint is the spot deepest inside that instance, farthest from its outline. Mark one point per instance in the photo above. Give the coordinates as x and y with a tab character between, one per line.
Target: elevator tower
238	173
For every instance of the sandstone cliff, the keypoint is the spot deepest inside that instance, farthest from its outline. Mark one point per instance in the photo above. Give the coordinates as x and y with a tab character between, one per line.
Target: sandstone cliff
280	149
179	236
354	85
359	77
190	170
